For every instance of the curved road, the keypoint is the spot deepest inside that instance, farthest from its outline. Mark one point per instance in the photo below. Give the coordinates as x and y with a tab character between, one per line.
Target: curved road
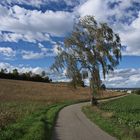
72	124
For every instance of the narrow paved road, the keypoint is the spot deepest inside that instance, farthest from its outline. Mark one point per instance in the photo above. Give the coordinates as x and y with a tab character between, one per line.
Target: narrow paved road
72	124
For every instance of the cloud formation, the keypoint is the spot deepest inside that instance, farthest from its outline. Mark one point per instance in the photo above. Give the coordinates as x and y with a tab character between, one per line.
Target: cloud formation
7	51
28	37
120	78
122	15
44	52
131	38
123	78
32	23
18	23
38	3
24	20
21	68
55	76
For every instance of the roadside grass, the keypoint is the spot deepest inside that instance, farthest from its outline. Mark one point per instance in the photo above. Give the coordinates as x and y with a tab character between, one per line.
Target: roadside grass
120	117
37	126
28	109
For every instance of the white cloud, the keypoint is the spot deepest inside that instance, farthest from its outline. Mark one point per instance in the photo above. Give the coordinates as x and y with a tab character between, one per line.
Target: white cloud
38	3
42	48
44	52
129	31
7	51
29	37
35	25
22	21
31	55
57	49
35	70
55	76
112	79
102	10
131	38
120	78
94	7
123	78
21	69
6	66
35	3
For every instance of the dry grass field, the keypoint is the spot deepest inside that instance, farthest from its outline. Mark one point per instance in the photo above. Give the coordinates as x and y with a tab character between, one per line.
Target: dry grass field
20	99
13	90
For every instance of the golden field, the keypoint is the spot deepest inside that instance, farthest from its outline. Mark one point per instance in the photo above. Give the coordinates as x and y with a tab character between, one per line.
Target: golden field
19	99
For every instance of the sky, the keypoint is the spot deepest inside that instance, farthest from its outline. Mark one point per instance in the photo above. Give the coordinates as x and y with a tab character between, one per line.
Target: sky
30	31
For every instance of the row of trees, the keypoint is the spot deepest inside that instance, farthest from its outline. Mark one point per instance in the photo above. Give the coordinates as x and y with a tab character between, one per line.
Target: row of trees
28	76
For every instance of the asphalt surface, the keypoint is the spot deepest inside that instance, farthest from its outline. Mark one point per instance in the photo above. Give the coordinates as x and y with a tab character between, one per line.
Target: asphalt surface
72	124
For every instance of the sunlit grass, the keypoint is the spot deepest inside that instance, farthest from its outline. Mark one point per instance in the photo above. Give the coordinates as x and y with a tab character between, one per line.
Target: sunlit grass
28	109
120	118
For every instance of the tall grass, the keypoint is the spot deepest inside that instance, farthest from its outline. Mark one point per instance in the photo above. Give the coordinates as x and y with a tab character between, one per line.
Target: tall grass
120	117
28	109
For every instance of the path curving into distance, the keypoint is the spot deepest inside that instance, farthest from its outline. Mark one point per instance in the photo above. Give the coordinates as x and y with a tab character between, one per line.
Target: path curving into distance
72	124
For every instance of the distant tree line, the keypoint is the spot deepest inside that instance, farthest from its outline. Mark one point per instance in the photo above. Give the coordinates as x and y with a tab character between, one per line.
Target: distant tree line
28	76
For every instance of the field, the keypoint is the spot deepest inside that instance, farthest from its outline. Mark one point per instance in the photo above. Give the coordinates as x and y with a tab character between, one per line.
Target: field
121	117
30	107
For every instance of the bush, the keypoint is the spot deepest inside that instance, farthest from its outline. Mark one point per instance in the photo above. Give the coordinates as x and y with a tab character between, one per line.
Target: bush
103	87
137	92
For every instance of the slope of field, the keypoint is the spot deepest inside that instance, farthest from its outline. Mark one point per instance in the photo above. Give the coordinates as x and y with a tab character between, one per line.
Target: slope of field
20	98
24	104
121	117
12	90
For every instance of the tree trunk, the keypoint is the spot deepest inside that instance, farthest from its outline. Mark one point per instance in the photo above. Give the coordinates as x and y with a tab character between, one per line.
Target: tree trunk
93	92
93	96
94	101
94	85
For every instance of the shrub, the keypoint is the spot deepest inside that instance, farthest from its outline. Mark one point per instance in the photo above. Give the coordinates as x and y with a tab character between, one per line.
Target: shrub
137	92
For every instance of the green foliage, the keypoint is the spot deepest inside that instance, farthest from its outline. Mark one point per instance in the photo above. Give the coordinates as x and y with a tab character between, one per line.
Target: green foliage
28	76
37	126
3	71
137	92
77	81
126	110
92	46
15	72
103	87
105	124
21	127
124	121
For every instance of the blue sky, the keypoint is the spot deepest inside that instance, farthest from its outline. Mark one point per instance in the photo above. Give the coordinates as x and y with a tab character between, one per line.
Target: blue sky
30	31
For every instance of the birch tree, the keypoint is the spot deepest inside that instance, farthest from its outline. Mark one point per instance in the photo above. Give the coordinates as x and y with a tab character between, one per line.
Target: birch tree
93	46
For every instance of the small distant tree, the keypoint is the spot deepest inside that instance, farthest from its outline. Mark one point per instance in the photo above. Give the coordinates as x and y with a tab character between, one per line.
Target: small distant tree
3	71
15	72
103	87
137	92
28	75
43	74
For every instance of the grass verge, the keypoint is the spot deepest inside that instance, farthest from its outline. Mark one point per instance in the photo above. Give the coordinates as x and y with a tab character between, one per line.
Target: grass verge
37	126
120	118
